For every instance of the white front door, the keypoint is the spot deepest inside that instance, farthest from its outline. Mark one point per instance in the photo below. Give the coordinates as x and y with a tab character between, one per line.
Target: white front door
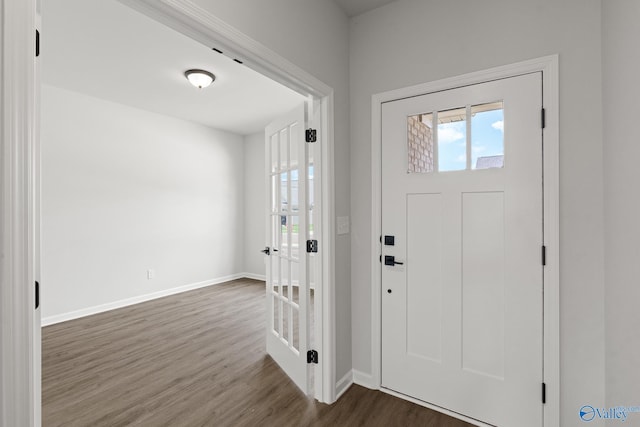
287	209
461	257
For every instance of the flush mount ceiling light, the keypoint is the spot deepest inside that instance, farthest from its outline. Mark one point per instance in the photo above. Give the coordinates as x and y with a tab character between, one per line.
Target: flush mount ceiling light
199	78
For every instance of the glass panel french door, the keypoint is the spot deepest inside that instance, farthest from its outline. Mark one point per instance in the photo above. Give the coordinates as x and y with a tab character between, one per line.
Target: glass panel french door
287	296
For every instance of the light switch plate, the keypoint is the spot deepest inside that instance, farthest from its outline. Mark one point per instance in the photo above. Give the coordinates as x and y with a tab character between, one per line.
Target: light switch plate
343	225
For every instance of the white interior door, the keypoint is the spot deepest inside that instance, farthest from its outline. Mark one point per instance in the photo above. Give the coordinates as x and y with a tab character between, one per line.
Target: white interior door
287	209
462	280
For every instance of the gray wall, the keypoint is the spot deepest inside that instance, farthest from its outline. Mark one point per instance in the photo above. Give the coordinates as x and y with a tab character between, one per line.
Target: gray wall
125	190
314	35
621	92
254	204
457	37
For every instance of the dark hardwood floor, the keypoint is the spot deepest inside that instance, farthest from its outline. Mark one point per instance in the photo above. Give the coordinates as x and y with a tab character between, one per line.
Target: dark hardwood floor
192	359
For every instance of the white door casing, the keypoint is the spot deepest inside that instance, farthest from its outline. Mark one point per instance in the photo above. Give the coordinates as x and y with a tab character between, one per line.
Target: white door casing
37	329
462	317
287	290
19	348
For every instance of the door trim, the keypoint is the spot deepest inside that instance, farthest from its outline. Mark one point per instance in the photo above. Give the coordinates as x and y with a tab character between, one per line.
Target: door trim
548	65
19	380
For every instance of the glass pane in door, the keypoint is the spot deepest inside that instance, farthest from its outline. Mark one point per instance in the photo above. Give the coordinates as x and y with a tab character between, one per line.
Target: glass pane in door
452	140
487	136
420	143
274	152
284	149
276	315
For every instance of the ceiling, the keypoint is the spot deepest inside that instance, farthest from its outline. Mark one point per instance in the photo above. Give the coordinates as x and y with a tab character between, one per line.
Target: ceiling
356	7
104	49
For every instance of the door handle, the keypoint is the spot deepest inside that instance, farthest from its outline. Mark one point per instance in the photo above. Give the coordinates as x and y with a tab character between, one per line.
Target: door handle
391	260
266	250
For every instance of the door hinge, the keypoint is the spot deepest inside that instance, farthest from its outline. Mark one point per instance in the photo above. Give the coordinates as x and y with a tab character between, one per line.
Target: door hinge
543	118
312	356
37	43
544	393
37	292
544	255
312	246
310	135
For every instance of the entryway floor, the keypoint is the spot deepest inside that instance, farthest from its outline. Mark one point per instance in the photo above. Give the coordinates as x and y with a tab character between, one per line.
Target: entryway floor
193	359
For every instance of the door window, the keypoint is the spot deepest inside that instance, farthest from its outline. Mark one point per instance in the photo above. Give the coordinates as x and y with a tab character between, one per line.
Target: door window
487	136
464	138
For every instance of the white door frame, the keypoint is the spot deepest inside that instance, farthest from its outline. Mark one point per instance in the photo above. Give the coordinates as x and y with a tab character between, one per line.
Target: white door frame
550	94
19	380
19	387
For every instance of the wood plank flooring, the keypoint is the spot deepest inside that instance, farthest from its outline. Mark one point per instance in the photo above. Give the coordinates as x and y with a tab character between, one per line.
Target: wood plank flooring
192	359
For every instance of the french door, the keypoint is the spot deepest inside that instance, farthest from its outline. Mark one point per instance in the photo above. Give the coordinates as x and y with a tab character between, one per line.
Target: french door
287	293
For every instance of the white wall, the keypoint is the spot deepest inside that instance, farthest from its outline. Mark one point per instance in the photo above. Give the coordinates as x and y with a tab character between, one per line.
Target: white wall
314	35
621	92
125	190
254	204
412	41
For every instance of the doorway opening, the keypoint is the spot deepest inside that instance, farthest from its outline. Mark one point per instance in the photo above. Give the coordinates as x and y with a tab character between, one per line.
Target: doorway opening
318	100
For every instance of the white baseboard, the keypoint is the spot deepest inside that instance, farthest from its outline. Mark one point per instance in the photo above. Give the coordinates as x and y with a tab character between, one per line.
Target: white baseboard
365	380
255	276
51	320
344	384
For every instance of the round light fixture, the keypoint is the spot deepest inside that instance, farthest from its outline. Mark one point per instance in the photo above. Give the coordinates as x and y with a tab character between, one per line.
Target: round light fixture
199	78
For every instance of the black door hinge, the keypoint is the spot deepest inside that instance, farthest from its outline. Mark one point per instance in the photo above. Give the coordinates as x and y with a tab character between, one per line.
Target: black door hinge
312	356
544	393
310	135
37	43
543	118
37	292
544	255
312	246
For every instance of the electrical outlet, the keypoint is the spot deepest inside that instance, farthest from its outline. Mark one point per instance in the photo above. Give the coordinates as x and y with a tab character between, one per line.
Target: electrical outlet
151	273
